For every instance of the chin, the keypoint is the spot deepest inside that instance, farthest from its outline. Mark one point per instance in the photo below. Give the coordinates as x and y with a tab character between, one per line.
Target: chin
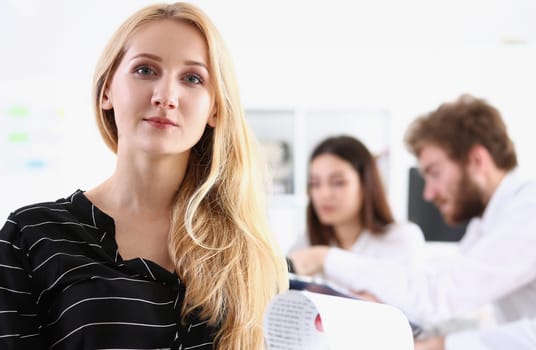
452	220
328	221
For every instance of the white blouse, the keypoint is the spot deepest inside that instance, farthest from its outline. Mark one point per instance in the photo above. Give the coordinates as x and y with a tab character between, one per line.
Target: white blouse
402	242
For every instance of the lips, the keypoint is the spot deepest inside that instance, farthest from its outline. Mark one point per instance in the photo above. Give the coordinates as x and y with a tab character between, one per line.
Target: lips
441	204
326	209
160	122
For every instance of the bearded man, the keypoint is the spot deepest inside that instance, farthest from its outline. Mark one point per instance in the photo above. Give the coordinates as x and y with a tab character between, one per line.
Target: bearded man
469	165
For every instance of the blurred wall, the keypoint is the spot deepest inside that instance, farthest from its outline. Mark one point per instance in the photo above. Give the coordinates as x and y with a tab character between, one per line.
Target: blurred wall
404	58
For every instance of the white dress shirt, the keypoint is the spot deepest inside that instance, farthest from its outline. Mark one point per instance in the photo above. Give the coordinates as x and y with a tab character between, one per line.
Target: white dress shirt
496	263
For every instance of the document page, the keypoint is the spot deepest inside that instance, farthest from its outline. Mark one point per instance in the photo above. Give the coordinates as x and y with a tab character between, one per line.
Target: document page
302	320
290	324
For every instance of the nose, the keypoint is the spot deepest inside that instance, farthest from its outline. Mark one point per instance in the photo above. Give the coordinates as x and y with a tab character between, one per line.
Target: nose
165	95
428	192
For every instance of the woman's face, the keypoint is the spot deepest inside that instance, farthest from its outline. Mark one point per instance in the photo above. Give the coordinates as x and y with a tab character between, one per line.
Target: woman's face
161	92
335	190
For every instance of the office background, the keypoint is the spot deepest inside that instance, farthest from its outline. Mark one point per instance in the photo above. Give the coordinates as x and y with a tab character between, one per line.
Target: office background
371	59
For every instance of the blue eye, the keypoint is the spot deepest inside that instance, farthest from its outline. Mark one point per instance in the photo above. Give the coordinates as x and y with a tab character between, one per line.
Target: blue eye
193	79
145	70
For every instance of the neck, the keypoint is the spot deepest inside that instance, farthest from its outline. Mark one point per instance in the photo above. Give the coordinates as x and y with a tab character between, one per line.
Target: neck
347	233
493	180
141	185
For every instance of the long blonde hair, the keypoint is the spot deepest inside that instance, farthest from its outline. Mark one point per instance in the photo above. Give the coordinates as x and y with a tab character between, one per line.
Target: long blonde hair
219	238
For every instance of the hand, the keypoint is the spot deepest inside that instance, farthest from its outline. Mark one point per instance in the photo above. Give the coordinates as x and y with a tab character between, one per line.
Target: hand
309	261
433	343
364	295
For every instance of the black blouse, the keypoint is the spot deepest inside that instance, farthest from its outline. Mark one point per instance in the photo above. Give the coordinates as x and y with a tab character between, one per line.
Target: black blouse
63	285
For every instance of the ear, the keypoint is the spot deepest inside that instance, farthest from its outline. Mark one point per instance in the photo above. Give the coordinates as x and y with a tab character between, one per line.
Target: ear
478	158
212	120
106	102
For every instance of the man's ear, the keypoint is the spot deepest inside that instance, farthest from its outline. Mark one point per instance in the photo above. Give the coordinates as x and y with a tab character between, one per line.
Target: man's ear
479	157
106	102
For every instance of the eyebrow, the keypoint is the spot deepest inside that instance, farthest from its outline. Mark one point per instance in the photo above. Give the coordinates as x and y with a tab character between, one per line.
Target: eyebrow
329	176
427	168
159	59
336	174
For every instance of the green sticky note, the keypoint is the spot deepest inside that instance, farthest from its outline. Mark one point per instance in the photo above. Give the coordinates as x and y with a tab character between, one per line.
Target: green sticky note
18	111
18	137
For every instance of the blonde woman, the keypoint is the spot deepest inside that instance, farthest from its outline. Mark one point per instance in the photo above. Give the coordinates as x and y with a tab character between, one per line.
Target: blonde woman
167	252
